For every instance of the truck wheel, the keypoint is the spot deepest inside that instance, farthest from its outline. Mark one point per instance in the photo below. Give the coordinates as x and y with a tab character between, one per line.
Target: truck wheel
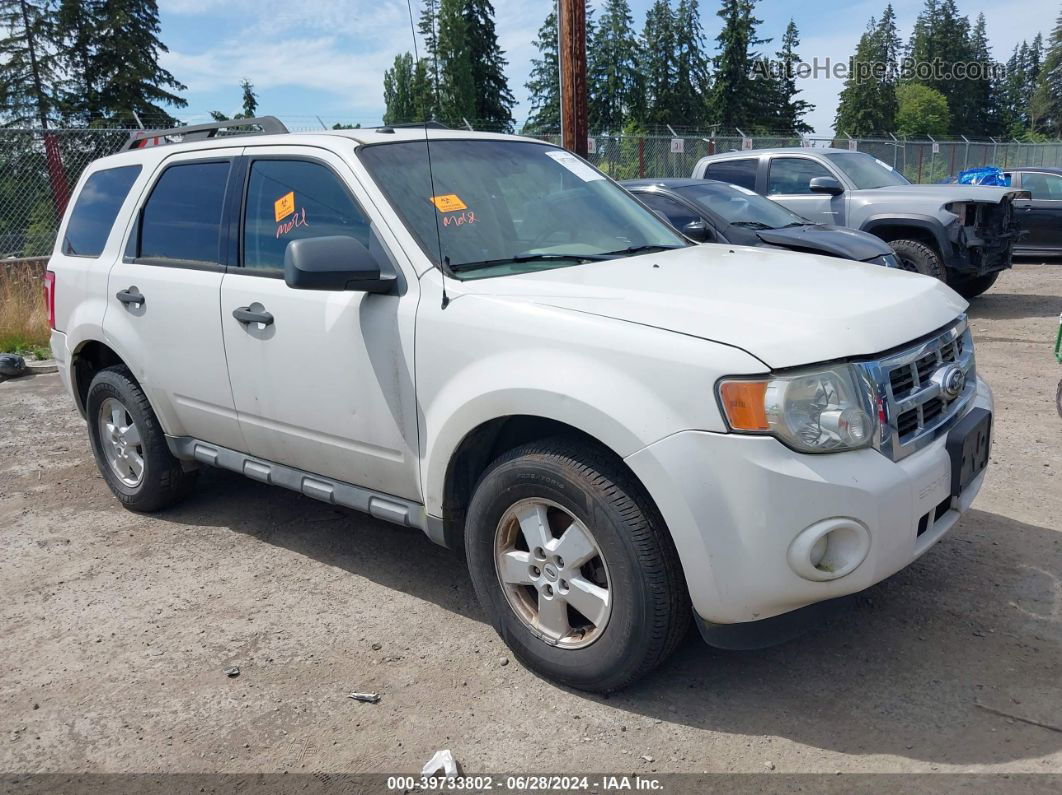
919	258
1058	399
973	287
574	567
130	446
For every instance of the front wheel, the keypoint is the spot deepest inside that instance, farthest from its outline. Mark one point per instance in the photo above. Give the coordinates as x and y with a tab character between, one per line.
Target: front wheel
973	287
919	258
574	567
129	444
1058	399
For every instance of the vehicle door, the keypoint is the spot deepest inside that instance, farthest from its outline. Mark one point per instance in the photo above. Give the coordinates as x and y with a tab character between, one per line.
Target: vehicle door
1041	215
788	178
326	385
163	297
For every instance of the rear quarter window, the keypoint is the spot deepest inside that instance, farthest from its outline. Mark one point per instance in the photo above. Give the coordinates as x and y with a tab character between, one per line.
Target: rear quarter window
96	209
737	172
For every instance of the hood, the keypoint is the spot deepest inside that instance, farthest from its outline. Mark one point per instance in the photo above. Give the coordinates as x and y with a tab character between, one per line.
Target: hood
785	308
835	241
952	192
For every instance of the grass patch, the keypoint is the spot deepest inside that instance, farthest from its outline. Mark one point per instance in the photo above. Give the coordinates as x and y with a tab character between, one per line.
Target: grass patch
23	315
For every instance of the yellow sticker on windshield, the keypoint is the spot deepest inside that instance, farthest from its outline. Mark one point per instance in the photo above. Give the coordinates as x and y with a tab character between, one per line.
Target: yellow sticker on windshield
284	206
450	203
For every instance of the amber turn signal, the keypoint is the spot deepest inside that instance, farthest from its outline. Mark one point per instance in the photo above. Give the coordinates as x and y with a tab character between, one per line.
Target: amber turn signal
743	403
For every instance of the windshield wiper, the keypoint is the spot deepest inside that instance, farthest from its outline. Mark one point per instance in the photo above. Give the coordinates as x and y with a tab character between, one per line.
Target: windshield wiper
751	224
525	257
626	252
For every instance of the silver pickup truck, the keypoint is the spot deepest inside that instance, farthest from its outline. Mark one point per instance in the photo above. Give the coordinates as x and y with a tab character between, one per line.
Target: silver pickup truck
961	234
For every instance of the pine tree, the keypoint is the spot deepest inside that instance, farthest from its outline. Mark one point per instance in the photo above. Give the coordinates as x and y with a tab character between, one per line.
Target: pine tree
658	65
250	104
692	69
127	55
859	108
493	101
791	111
1047	100
733	99
941	39
543	84
984	117
457	96
77	26
29	69
429	31
612	69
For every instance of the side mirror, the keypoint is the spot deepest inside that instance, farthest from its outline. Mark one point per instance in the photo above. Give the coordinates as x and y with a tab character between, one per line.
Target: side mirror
699	231
830	185
334	262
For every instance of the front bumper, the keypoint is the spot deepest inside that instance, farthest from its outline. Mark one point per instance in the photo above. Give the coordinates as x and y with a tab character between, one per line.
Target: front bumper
736	504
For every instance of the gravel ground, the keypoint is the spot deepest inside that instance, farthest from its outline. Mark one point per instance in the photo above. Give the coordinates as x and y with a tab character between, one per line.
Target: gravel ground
117	627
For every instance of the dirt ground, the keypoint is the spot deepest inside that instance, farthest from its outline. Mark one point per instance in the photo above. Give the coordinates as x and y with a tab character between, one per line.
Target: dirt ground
116	627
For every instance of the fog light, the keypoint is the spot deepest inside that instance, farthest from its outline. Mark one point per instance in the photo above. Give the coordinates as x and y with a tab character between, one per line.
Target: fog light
829	549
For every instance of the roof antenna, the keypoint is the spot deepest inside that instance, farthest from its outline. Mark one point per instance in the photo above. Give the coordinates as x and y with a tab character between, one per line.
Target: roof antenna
444	262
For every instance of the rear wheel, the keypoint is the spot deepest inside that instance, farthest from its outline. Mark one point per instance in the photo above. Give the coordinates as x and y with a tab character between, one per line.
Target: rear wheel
574	567
919	258
1058	399
129	444
973	287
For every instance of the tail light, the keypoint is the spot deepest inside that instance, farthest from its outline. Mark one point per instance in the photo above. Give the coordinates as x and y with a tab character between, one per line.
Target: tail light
49	296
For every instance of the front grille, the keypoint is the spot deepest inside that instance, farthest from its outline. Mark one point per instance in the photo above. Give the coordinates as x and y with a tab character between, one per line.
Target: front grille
914	405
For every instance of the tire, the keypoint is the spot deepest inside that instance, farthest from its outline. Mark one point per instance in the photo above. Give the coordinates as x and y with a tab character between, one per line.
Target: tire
1058	399
919	258
123	429
634	560
973	287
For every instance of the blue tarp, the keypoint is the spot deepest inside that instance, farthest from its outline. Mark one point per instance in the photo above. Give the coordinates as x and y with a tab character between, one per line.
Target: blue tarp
988	175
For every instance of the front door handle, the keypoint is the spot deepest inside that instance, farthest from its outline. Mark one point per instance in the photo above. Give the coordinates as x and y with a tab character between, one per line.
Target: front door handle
130	295
245	314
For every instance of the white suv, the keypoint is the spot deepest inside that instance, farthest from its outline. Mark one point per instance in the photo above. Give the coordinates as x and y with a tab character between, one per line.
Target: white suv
483	337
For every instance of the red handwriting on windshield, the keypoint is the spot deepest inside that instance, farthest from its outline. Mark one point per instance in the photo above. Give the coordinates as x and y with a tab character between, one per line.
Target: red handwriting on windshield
459	219
297	220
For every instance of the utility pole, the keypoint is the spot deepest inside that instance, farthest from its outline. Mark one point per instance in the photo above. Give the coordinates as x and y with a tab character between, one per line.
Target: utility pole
571	40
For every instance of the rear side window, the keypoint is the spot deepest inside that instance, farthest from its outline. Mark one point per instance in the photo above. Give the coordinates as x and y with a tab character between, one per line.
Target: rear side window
736	172
182	218
95	210
292	200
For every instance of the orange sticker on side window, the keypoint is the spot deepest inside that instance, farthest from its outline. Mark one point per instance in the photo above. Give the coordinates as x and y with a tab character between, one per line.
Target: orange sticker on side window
450	203
284	206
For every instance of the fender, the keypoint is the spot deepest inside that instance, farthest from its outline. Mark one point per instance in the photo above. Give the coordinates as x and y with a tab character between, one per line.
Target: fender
926	223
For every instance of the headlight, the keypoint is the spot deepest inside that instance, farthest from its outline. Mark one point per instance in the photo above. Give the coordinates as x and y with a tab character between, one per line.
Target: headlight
886	261
820	411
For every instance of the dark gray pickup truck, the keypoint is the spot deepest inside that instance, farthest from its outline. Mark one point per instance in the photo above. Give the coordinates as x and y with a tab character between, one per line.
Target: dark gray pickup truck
961	234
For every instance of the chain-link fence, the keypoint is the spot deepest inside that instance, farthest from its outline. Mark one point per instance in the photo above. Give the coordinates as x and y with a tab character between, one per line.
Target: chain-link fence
38	169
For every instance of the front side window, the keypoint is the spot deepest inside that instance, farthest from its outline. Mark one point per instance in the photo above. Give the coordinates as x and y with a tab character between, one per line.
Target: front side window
1042	186
866	172
182	218
791	175
678	214
96	209
737	172
293	200
500	207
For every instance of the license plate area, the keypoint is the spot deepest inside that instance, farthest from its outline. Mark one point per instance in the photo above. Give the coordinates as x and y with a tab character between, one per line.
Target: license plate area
968	445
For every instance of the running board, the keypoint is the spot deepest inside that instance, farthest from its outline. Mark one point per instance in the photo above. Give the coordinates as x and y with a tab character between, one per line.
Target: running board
335	492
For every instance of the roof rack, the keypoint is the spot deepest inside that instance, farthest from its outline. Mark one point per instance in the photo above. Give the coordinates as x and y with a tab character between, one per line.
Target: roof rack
142	139
420	125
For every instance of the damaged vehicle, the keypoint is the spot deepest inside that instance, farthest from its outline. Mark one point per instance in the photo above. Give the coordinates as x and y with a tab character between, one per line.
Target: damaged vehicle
961	234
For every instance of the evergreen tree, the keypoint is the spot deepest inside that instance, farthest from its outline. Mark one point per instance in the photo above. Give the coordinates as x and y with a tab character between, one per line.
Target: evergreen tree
400	106
614	84
457	96
429	32
77	24
658	65
29	84
543	84
733	100
493	101
868	103
791	110
984	117
1047	99
250	104
941	39
127	59
692	69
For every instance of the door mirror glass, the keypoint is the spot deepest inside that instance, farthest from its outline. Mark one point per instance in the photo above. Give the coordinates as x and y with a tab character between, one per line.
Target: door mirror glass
699	231
830	185
334	262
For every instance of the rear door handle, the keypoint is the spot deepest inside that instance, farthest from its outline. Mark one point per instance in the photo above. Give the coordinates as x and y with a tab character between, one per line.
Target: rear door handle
245	314
131	295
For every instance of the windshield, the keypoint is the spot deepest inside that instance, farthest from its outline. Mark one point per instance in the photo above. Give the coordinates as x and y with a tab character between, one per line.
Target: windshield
740	206
865	171
501	207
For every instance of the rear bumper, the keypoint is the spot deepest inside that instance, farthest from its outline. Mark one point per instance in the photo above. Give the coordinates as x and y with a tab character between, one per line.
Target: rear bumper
61	354
737	506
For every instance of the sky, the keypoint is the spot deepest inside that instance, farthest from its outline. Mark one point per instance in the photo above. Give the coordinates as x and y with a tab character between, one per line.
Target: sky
326	58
